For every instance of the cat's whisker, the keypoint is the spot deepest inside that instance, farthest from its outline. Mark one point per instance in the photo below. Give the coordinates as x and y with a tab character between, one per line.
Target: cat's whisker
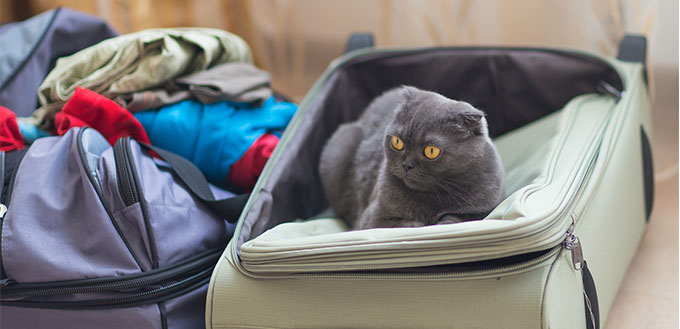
460	192
464	193
439	197
461	195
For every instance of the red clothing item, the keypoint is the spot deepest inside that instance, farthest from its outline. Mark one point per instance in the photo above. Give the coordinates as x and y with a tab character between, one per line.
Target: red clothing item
10	135
89	109
244	172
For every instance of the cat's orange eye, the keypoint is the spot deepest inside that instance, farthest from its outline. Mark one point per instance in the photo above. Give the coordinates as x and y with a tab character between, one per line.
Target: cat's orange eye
432	152
397	143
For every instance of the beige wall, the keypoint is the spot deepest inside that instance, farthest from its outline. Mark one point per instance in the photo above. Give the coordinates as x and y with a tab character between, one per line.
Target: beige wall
296	39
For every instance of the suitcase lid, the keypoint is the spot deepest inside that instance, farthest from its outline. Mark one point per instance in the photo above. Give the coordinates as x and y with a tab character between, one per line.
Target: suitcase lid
544	194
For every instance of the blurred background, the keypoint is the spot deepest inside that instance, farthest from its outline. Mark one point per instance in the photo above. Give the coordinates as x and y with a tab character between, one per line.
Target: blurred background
295	40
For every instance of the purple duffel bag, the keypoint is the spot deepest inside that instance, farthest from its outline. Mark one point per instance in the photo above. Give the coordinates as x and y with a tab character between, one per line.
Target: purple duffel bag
95	236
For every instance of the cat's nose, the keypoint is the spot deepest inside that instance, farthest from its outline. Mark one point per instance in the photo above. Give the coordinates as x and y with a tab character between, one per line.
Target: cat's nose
407	166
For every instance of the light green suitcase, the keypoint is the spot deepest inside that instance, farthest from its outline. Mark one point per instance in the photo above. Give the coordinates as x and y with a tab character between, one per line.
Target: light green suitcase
572	130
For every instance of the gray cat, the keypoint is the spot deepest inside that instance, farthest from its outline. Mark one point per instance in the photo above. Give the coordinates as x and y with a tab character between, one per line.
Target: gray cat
413	158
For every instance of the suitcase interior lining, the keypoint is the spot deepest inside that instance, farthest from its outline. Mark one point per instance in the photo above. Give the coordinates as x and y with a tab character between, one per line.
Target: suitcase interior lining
514	87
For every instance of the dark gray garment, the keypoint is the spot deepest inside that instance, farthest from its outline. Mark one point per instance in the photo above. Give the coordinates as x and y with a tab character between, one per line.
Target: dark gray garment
151	99
31	48
234	81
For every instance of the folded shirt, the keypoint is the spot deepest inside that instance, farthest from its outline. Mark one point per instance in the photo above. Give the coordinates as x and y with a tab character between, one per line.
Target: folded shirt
135	62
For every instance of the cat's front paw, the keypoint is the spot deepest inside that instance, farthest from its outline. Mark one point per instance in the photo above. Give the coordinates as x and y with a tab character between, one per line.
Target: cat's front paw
449	219
390	223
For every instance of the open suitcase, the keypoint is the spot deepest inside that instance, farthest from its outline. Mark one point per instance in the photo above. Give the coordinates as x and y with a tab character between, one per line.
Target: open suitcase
573	131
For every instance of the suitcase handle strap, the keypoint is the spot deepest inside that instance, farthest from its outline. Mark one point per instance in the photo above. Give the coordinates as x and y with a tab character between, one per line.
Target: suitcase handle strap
229	208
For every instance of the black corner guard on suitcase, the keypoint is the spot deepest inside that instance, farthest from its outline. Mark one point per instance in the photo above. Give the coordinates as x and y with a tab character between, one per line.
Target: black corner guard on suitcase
590	298
633	48
648	172
229	208
358	41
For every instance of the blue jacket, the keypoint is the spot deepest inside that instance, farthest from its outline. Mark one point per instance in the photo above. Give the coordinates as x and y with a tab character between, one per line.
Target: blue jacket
213	136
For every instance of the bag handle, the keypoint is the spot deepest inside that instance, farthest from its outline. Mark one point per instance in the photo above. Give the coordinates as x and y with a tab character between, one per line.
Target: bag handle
229	208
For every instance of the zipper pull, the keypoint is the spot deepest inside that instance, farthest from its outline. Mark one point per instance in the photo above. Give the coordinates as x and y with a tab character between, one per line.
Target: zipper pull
572	243
6	282
607	89
3	210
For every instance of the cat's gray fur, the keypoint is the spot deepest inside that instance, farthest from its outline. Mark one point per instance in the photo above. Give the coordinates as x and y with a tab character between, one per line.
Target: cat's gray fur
365	178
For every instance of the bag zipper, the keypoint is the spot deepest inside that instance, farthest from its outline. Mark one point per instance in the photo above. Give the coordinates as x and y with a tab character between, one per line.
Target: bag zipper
157	285
124	174
130	188
98	189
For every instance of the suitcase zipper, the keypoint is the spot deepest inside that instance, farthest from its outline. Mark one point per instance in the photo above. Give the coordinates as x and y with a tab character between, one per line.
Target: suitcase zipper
467	269
605	88
156	285
573	244
484	268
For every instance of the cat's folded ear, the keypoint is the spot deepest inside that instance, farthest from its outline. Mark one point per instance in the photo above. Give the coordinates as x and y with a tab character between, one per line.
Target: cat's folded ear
408	92
472	120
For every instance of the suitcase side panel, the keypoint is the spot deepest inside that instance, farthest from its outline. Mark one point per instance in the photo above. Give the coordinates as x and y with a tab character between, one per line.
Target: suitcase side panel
614	220
239	301
611	215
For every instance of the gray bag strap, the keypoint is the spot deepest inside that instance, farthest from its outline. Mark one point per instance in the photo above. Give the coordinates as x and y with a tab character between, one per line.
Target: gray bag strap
229	208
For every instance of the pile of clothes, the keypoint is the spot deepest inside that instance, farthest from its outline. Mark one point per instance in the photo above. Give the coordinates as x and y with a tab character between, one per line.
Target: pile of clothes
192	91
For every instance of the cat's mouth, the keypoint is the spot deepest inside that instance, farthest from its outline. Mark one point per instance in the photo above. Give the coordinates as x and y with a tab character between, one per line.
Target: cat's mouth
412	183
